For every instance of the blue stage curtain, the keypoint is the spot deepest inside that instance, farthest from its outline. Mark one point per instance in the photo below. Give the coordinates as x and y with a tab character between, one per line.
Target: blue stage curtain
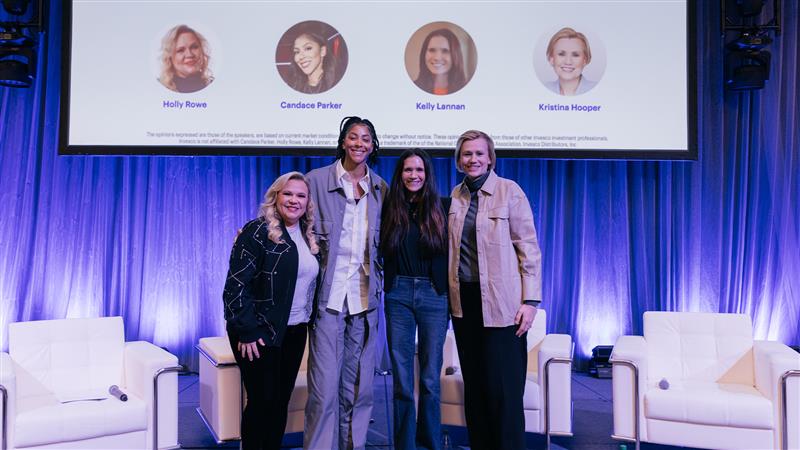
148	238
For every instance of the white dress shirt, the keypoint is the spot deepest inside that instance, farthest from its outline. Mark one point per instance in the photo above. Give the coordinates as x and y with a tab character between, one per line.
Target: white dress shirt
307	269
351	273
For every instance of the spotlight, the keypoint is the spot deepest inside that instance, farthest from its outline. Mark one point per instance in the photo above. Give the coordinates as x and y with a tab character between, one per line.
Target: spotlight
17	59
16	7
746	70
599	366
14	73
11	36
754	39
747	60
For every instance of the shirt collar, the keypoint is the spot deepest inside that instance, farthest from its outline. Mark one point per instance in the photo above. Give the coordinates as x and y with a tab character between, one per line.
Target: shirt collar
341	176
487	187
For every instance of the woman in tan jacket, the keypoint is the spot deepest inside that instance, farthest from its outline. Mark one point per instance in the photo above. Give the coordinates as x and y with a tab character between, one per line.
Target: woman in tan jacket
495	281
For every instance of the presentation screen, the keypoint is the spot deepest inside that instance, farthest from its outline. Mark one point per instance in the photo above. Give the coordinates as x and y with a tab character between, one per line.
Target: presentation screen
553	79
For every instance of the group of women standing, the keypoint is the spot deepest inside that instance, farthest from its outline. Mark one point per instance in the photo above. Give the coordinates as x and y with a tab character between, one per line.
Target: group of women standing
311	263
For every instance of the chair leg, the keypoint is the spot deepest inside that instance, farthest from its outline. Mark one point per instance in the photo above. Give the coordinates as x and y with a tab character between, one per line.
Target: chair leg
547	431
636	425
784	406
5	417
384	374
446	442
160	372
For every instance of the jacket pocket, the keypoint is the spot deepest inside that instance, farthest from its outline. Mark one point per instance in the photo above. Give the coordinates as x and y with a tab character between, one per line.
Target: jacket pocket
498	232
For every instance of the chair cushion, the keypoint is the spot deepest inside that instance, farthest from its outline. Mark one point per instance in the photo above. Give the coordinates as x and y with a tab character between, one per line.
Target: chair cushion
42	419
297	402
218	349
699	346
708	403
531	400
537	331
452	389
67	357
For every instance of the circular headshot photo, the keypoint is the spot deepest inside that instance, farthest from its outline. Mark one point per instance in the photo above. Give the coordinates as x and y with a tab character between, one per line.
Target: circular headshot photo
311	57
569	62
441	58
185	59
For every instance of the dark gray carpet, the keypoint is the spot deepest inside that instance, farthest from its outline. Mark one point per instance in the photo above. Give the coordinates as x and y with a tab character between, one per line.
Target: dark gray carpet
592	421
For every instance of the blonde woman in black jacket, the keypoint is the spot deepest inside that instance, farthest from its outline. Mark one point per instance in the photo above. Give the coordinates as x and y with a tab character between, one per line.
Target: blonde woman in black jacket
269	296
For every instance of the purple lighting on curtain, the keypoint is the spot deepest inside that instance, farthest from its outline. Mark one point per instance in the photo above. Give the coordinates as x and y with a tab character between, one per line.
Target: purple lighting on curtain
148	238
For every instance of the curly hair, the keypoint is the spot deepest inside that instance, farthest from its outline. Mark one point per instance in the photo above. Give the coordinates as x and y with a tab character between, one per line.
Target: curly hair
344	128
167	77
269	213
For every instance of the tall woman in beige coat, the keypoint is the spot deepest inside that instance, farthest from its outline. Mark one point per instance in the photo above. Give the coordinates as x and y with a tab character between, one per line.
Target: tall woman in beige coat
495	281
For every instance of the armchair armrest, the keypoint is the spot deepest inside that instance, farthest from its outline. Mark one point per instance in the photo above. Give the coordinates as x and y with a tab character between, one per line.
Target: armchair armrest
142	361
8	396
628	402
556	393
772	360
555	345
631	348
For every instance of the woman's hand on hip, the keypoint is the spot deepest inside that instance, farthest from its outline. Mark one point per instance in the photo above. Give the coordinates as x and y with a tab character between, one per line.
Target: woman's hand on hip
524	318
250	349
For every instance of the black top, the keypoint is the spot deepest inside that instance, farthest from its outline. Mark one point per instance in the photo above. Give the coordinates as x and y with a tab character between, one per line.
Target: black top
259	288
192	83
468	261
414	261
411	258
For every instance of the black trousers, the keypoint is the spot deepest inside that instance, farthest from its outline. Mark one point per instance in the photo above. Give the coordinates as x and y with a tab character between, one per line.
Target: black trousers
269	381
493	364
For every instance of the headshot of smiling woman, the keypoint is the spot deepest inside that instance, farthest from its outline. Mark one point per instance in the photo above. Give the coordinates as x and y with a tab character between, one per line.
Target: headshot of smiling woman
441	63
311	57
440	58
568	53
185	60
313	70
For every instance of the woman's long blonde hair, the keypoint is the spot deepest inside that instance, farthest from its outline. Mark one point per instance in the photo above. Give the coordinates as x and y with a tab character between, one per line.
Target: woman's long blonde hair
269	212
167	76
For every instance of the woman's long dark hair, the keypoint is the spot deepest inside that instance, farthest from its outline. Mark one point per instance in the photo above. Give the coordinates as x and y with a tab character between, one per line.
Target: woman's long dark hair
430	214
456	77
328	79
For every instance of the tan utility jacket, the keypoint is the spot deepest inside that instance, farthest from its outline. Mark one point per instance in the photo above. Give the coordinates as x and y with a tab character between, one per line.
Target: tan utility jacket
509	259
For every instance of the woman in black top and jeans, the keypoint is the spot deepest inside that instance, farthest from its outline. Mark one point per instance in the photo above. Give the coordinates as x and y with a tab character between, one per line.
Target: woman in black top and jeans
414	249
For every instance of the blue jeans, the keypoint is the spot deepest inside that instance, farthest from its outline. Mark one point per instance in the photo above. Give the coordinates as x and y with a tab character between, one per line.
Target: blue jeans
413	303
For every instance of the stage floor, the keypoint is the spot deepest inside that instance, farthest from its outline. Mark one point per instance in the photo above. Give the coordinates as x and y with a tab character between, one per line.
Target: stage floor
592	422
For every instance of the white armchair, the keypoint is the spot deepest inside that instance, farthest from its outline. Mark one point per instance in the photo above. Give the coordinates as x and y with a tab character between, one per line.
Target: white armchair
719	388
548	384
221	391
55	381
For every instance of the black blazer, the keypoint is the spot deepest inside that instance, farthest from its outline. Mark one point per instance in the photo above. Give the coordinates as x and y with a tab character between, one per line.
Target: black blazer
259	288
438	263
